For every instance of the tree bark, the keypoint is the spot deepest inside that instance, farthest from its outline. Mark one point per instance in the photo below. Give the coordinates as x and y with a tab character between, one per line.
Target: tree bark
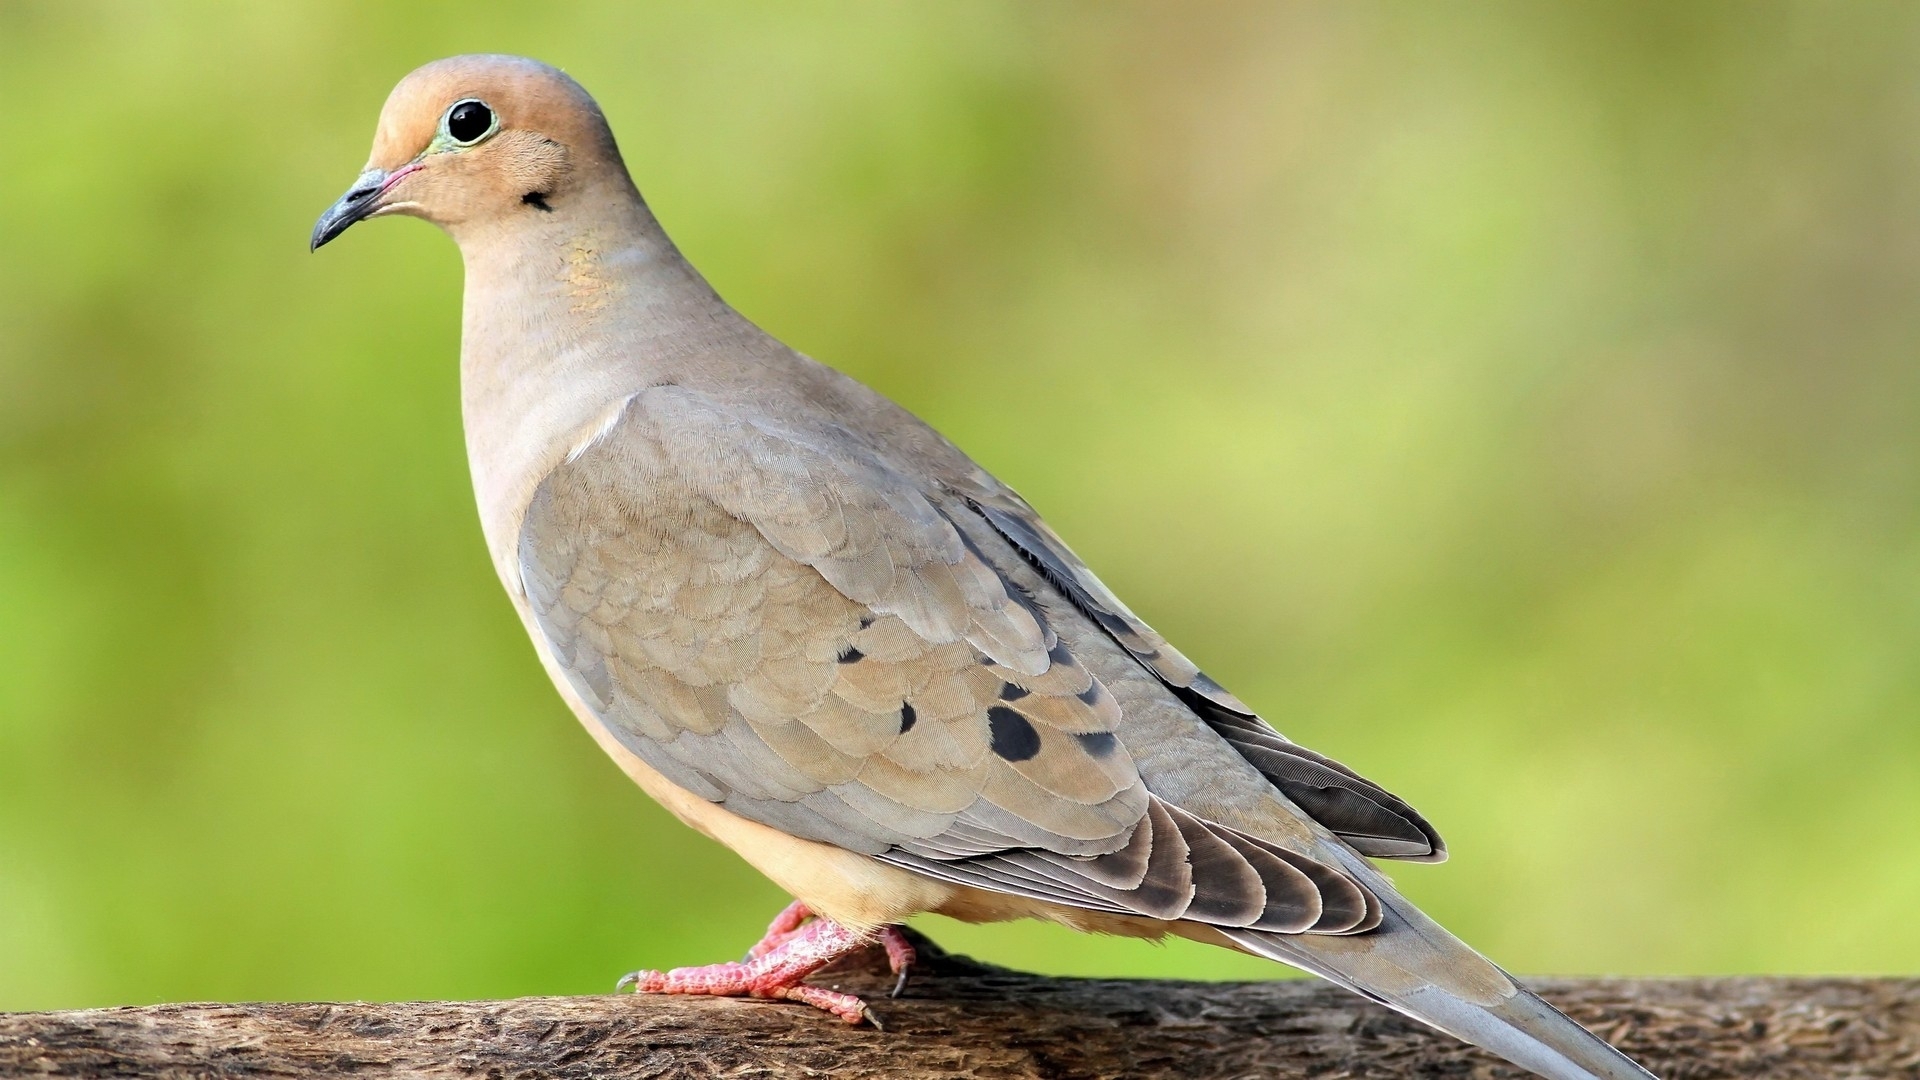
961	1018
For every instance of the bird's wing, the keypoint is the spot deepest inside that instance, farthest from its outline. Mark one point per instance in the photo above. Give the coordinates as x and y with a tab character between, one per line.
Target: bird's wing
1406	961
777	621
783	624
1368	817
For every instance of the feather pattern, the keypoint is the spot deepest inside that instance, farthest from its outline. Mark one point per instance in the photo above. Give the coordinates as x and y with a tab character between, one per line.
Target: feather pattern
796	632
1357	810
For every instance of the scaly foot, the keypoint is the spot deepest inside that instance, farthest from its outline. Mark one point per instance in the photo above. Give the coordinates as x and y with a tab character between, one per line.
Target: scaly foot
900	955
781	928
793	949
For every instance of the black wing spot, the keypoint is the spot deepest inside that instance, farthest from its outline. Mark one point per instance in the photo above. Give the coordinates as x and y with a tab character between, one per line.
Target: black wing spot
1010	692
1091	695
851	655
1098	743
907	717
1013	736
866	621
1059	655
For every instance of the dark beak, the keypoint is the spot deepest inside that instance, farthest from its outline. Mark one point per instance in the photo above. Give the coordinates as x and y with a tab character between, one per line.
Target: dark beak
360	200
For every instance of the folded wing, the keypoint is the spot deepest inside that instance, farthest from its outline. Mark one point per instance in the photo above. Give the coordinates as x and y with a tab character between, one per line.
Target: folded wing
790	629
1366	816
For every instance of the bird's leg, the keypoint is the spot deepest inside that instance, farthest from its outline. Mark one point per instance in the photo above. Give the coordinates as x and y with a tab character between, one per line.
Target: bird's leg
784	926
900	955
775	973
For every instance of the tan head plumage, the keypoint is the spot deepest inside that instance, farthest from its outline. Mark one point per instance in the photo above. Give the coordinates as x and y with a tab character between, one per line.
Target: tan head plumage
479	139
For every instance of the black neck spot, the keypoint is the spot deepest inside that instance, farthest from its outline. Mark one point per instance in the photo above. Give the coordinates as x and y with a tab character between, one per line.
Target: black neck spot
537	199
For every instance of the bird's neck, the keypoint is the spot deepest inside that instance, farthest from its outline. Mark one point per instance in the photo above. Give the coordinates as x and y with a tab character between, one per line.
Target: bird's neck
567	311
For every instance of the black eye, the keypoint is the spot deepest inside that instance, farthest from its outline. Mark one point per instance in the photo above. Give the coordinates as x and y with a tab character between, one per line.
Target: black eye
469	121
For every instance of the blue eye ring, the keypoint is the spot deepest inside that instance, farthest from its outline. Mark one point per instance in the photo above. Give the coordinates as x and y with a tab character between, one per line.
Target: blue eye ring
469	121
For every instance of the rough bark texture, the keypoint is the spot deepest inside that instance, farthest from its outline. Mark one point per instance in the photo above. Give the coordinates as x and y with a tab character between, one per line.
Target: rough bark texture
959	1018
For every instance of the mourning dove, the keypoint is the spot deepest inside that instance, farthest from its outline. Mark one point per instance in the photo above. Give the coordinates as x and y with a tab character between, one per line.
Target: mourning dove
817	632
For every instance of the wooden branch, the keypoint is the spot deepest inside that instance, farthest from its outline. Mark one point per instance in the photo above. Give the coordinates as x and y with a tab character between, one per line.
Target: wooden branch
960	1018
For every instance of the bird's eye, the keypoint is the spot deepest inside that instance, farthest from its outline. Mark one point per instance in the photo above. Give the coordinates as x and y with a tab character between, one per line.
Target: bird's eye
469	121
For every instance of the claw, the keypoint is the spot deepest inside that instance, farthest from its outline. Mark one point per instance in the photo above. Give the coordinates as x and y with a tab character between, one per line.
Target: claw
793	949
900	957
797	944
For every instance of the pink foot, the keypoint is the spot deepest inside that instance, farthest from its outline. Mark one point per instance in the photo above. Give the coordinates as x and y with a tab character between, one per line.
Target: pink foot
783	926
900	956
775	970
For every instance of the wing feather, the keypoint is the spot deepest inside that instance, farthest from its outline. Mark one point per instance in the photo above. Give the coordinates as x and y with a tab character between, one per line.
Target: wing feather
1357	810
780	623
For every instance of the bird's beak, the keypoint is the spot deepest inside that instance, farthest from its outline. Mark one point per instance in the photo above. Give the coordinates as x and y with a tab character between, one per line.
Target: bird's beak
364	199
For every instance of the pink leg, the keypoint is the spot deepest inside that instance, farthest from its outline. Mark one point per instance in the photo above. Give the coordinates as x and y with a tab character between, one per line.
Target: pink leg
776	973
782	928
900	957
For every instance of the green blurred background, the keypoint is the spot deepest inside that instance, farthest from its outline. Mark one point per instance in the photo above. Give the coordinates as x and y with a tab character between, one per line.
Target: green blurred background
1518	402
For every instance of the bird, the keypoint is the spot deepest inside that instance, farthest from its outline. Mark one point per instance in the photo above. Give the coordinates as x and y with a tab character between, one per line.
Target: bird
815	630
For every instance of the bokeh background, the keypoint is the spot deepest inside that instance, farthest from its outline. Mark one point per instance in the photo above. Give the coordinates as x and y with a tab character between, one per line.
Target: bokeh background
1518	402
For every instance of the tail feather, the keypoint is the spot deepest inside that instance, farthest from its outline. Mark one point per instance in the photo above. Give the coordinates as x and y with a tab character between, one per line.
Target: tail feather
1410	964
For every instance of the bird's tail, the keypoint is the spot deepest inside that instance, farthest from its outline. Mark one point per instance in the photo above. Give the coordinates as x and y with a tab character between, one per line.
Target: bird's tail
1409	963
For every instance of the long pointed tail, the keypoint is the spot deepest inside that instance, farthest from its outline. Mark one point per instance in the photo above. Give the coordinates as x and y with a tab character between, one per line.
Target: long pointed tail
1411	964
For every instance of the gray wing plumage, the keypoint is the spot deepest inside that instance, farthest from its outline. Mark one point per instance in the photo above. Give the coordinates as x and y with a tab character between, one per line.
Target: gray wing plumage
1369	818
779	621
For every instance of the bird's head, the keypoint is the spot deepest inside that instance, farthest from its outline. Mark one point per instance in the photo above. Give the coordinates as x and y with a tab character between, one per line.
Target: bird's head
476	140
